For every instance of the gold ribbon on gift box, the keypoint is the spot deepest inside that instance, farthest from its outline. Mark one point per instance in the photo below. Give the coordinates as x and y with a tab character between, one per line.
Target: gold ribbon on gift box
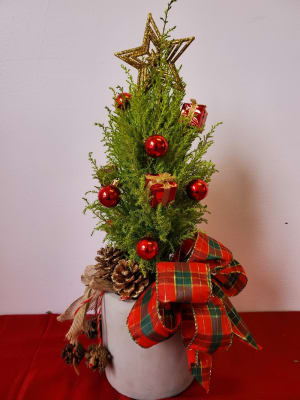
192	109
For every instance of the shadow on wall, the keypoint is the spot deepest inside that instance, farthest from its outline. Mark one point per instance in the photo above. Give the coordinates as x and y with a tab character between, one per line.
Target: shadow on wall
236	221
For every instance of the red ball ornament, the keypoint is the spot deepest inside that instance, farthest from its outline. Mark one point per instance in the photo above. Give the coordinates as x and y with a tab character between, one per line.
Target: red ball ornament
122	100
156	146
147	248
197	189
109	196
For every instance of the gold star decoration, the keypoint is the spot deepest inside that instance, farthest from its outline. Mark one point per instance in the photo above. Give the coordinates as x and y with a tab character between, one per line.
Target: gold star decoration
143	57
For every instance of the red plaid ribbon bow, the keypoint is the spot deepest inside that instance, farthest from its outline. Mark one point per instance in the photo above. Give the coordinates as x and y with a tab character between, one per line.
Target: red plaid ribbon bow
193	296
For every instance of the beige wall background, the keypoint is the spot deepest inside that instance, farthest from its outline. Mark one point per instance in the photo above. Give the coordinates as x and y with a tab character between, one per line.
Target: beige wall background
56	64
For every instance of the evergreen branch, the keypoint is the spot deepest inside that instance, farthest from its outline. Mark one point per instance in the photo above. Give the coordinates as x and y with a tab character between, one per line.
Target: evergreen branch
166	13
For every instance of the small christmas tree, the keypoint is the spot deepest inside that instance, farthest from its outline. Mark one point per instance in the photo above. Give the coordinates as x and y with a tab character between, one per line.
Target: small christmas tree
150	117
148	200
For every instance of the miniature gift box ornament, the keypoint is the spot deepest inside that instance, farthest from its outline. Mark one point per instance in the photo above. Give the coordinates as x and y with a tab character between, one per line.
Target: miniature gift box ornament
162	188
196	113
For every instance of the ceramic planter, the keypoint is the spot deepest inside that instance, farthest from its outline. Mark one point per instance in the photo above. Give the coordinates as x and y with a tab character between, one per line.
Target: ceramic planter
144	374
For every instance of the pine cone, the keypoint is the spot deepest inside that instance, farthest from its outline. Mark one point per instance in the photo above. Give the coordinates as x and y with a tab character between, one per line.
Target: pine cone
128	280
70	355
92	328
67	353
107	259
97	357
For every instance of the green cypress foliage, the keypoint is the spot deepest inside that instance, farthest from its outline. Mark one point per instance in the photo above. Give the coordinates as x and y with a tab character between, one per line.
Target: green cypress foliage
154	109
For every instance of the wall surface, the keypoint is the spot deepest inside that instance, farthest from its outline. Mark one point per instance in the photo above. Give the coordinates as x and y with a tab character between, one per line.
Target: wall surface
56	64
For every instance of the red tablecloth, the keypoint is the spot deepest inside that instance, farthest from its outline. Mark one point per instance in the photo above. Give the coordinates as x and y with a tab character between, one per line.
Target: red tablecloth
31	367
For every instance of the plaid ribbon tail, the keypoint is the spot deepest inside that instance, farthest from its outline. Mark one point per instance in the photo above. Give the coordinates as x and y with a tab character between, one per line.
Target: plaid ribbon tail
239	328
214	330
200	365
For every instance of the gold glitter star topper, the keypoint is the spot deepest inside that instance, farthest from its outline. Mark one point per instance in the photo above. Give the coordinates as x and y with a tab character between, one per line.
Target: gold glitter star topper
143	57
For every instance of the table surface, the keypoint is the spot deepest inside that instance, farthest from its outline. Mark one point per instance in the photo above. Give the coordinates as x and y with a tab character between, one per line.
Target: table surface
32	369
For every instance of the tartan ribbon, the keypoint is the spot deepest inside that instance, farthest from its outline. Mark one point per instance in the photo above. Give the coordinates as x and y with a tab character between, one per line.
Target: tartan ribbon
191	294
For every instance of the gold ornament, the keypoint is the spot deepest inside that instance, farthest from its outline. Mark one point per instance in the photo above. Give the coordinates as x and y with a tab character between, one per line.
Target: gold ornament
143	57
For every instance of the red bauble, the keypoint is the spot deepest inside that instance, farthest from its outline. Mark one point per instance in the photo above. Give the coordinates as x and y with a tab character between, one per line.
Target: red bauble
122	100
147	248
197	189
109	196
156	146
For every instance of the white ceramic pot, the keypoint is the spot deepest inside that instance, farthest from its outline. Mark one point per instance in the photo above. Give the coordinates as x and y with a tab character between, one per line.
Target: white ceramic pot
144	374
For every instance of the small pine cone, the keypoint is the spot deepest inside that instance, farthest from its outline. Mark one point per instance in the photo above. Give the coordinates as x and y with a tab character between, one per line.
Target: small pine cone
92	328
97	357
128	280
67	353
107	259
73	354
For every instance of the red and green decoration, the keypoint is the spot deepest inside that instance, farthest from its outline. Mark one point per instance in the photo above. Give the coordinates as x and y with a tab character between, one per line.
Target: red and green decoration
191	291
163	189
202	287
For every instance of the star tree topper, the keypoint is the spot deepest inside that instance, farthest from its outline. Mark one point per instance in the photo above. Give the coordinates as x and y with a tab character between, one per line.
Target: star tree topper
143	57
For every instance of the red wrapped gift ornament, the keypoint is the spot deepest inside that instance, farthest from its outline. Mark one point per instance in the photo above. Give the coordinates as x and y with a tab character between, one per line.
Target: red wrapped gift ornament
195	112
162	188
